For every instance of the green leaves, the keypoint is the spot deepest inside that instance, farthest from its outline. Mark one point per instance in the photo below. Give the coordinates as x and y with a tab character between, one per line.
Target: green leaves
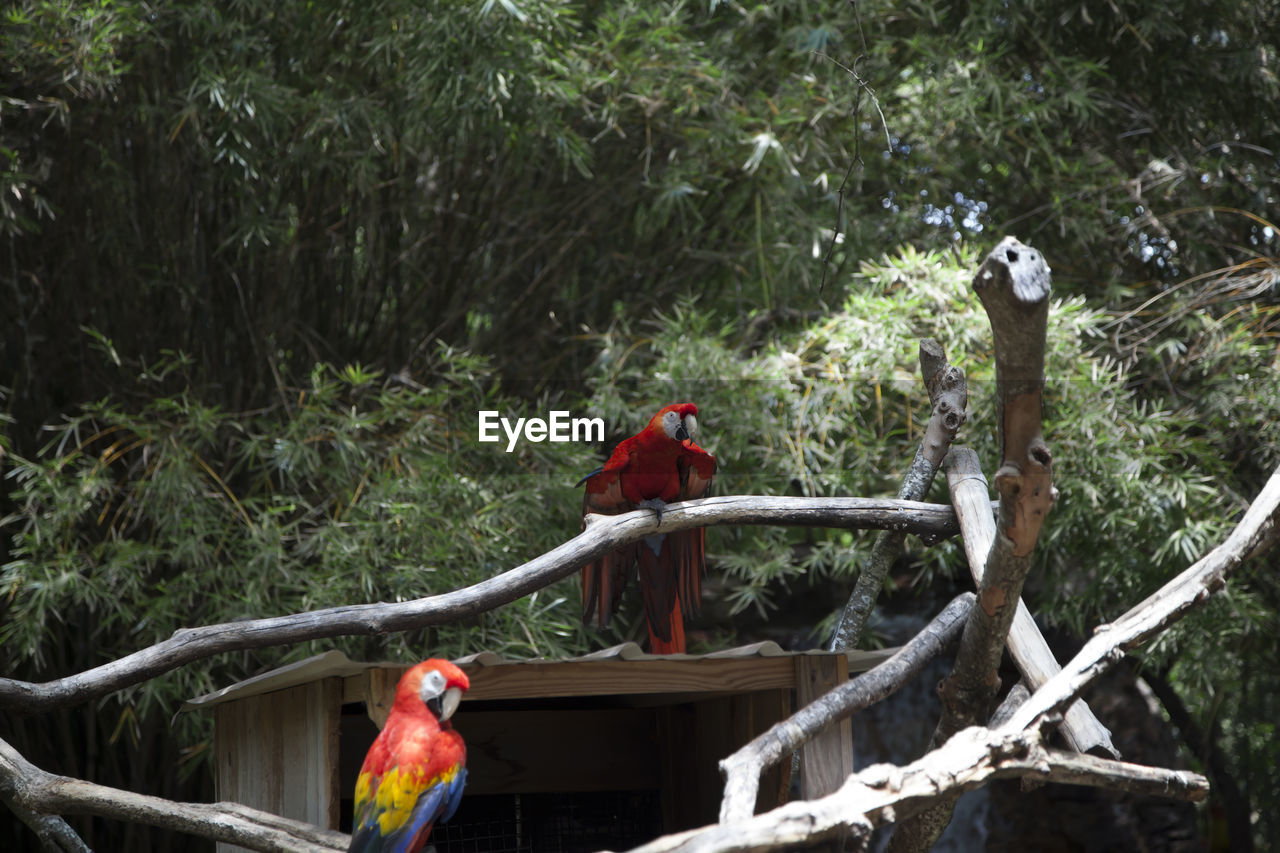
834	407
360	488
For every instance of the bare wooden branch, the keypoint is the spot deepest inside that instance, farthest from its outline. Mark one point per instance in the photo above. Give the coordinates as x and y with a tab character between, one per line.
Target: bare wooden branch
742	769
1067	767
603	534
55	834
1013	284
1027	645
884	793
45	793
949	396
1256	531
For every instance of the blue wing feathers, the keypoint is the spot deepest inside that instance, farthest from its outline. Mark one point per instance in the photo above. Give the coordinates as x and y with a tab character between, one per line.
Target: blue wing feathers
425	812
454	794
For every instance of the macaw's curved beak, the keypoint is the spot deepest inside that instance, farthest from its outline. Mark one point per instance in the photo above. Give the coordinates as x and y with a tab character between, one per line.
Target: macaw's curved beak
687	430
449	704
445	704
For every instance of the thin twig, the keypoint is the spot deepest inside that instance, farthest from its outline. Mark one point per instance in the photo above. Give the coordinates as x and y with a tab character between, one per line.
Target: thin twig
949	398
856	161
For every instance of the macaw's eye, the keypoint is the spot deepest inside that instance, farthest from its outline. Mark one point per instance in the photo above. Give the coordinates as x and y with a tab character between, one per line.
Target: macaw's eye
691	426
433	684
671	424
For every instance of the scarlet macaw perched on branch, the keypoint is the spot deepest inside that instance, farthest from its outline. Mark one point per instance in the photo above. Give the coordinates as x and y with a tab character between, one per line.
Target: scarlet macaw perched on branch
658	465
413	774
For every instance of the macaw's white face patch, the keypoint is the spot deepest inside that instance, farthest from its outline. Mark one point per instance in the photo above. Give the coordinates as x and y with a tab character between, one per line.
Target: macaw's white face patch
679	429
433	684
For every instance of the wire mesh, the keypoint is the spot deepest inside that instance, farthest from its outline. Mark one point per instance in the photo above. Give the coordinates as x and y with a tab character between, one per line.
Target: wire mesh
550	823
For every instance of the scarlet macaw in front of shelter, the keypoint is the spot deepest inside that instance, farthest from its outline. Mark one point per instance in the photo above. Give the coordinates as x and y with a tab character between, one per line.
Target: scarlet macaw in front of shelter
414	773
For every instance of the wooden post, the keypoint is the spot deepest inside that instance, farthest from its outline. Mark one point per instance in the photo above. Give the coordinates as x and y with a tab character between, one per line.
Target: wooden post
827	760
380	692
279	752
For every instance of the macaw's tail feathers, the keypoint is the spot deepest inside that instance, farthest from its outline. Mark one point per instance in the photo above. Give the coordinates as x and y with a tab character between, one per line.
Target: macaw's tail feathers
603	582
689	547
665	586
676	644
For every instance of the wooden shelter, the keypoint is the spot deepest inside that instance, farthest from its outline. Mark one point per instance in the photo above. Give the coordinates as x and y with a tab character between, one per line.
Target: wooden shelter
609	749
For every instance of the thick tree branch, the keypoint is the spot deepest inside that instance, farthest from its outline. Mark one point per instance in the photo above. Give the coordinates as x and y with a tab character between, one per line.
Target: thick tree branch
55	834
883	793
742	769
47	794
949	397
1027	645
603	534
1159	610
1013	284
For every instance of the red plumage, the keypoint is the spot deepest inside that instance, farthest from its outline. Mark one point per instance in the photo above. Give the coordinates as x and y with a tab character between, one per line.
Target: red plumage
658	465
415	771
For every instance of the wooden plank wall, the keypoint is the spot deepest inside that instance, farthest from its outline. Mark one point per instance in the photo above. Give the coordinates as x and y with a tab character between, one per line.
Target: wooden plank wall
279	752
827	760
694	736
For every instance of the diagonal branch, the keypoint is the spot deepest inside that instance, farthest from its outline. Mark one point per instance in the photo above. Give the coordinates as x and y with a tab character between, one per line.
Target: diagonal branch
949	397
603	534
1256	532
742	769
1027	646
